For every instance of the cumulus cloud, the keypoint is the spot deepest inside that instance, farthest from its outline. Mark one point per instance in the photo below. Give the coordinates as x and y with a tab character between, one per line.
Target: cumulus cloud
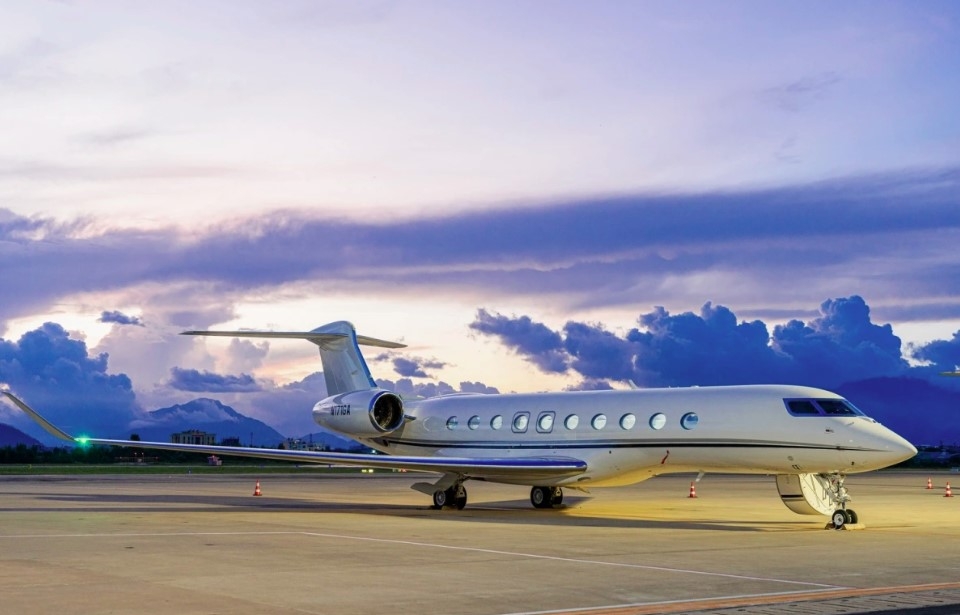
477	387
207	382
944	355
246	355
842	342
56	374
119	318
712	348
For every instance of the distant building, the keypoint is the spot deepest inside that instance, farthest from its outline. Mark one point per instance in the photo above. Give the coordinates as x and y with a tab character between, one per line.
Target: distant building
298	444
231	441
194	436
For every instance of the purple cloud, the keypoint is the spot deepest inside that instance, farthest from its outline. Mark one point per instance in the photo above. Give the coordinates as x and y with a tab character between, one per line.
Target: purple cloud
712	347
119	318
943	354
415	367
580	253
207	382
57	375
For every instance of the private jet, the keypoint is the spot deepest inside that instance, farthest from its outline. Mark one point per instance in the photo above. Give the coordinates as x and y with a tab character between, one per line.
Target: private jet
808	438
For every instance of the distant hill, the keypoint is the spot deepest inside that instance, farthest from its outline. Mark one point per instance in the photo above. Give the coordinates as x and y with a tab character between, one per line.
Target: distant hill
916	409
11	436
206	415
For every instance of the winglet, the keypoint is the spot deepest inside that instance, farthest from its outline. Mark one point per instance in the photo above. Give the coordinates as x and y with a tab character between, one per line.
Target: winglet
52	429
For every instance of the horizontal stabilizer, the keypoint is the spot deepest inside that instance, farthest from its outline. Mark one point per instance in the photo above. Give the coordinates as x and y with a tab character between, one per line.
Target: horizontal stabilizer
312	336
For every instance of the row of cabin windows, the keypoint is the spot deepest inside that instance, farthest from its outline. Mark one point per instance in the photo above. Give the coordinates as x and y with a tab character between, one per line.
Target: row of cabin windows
545	421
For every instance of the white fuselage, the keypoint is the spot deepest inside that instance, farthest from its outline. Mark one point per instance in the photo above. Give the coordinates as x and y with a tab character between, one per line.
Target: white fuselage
737	429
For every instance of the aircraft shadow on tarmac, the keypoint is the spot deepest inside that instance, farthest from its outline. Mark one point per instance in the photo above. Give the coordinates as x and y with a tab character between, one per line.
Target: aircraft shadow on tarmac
496	512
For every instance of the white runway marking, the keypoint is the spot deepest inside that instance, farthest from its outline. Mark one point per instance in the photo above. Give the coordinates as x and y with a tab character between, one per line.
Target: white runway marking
431	545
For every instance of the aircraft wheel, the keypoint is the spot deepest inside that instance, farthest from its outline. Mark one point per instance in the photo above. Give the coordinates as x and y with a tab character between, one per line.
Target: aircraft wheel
540	497
440	498
556	497
852	516
839	519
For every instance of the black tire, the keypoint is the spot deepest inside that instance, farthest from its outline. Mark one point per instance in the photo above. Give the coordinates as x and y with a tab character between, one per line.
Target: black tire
852	517
540	497
839	519
440	498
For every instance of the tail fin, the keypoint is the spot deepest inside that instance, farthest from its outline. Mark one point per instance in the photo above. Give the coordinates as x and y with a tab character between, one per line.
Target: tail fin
344	369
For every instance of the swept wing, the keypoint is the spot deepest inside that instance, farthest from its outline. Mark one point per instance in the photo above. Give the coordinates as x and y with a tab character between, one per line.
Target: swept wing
511	468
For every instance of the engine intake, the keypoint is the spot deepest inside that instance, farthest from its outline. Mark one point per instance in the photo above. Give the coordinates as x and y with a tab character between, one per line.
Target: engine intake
361	414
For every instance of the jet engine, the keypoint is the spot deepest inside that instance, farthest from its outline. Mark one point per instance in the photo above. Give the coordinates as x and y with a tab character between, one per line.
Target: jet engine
361	414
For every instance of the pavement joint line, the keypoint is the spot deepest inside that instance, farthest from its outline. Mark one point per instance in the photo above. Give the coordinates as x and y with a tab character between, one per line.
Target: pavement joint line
664	603
573	560
433	546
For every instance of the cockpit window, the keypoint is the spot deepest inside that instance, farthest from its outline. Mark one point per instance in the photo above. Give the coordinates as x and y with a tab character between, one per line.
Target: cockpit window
837	407
821	407
802	406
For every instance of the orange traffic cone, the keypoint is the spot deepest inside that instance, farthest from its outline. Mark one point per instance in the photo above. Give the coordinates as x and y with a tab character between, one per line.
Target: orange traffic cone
948	493
929	483
693	490
256	490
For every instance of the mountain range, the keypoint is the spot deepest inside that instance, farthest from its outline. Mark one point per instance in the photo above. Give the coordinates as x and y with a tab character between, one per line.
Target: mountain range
11	436
208	415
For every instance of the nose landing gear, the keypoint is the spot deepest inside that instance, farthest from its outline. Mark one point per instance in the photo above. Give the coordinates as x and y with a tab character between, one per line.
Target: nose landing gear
842	517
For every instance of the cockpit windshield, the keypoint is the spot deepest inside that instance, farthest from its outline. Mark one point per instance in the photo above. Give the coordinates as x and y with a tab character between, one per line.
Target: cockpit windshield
821	407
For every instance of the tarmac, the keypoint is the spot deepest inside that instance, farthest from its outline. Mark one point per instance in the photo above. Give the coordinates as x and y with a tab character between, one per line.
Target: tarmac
366	543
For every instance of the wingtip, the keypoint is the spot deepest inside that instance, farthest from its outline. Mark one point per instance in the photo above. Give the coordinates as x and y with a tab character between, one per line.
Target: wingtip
49	427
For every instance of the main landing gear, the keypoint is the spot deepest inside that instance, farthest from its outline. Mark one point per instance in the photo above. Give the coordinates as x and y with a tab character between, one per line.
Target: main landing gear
546	497
842	516
454	497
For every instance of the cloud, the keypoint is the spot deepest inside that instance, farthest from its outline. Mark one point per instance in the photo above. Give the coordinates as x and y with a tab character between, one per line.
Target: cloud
477	387
944	355
891	235
712	348
120	318
414	367
842	344
532	340
208	382
245	355
406	386
56	375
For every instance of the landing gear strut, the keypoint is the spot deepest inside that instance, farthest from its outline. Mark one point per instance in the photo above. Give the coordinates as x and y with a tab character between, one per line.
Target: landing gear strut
546	497
838	493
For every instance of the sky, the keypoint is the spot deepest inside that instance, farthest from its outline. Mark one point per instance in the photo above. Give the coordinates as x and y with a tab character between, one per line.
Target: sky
453	175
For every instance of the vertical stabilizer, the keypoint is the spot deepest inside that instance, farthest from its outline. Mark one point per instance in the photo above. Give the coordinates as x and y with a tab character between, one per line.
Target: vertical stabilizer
344	369
343	366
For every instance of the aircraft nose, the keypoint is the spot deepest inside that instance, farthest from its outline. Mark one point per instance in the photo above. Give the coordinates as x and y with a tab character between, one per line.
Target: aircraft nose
898	447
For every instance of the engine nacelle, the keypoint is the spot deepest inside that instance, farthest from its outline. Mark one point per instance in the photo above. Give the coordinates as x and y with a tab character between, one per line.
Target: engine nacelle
362	414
